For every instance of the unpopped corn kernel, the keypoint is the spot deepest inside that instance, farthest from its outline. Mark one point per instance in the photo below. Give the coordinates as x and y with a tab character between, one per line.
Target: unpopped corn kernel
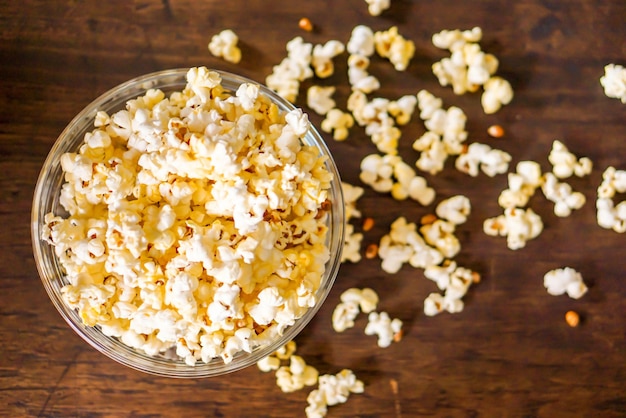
572	318
305	24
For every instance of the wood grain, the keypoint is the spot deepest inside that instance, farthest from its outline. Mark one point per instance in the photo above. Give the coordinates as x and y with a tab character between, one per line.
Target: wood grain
508	354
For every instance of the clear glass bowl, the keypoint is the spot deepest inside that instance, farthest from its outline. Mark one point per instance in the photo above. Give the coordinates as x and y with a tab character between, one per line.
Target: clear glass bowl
46	199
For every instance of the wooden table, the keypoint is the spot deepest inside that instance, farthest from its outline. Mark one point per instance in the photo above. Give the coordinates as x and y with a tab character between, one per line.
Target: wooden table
509	353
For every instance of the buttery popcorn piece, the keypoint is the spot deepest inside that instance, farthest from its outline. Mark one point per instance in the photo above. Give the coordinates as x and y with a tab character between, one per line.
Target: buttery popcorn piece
338	123
482	157
296	67
385	328
455	209
320	99
517	224
454	281
608	214
376	7
224	45
178	236
565	164
565	280
322	57
522	185
393	46
332	390
614	82
561	194
296	376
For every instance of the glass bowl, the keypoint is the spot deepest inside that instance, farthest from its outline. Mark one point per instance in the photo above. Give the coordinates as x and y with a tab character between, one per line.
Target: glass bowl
47	199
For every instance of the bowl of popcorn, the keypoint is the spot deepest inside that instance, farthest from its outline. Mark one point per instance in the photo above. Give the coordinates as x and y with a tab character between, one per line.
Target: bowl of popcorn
188	223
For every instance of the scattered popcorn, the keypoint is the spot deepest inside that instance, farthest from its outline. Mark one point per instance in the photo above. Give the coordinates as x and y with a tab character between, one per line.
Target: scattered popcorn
338	123
614	82
352	245
393	46
498	92
320	99
440	235
565	164
481	156
376	7
296	376
296	67
361	41
305	24
522	185
224	45
454	281
565	200
403	244
565	280
268	364
454	209
403	108
177	236
468	68
351	194
608	214
366	298
572	318
517	224
286	351
332	390
344	315
384	327
322	57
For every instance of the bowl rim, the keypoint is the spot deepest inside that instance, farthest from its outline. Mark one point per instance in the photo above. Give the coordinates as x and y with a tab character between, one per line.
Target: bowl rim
112	347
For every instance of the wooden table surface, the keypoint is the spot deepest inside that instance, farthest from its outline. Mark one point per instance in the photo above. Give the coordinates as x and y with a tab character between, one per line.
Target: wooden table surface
510	353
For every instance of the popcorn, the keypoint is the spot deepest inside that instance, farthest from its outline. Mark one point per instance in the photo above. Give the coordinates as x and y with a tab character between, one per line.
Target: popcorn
358	77
351	194
352	302
376	7
608	214
322	57
224	45
565	164
352	245
361	41
565	200
498	92
384	327
344	315
454	209
517	224
338	123
296	67
332	390
614	82
404	244
440	235
454	281
522	185
390	44
481	156
176	235
565	280
403	108
296	376
468	68
445	136
320	99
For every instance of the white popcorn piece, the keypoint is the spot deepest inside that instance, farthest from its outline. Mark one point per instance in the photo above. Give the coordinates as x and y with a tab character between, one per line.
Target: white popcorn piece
565	280
268	364
498	92
320	99
608	214
381	325
561	194
332	390
517	224
377	172
351	194
361	41
352	245
522	185
393	46
482	157
376	7
296	67
455	209
436	303
403	108
614	82
450	39
338	123
322	57
366	298
404	244
224	45
167	247
440	235
296	376
344	315
565	164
